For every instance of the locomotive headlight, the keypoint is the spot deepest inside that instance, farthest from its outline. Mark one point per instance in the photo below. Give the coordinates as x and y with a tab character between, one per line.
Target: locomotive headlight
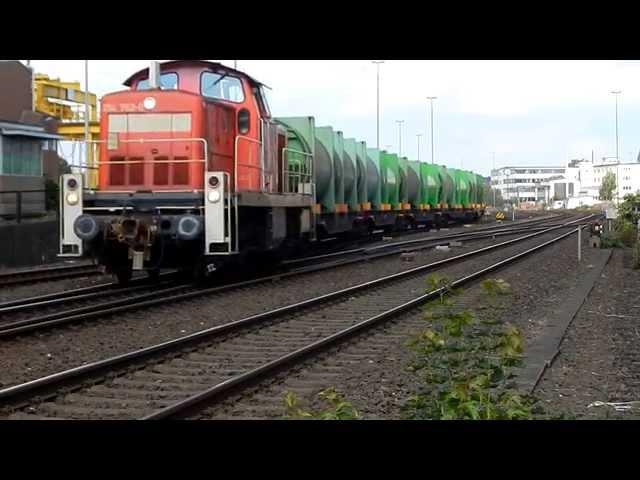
214	196
72	198
149	103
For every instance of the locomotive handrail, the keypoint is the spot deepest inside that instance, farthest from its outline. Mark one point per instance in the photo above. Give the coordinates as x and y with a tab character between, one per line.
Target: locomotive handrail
205	145
301	175
236	162
133	162
153	161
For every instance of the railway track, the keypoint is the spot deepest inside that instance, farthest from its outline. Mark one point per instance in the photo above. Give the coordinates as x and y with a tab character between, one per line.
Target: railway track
47	274
330	248
82	306
17	278
170	378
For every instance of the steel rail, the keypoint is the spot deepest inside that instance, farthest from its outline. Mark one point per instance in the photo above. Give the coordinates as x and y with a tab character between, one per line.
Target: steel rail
331	340
60	378
12	329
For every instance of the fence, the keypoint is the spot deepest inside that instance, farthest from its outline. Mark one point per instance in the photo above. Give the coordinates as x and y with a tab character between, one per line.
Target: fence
22	202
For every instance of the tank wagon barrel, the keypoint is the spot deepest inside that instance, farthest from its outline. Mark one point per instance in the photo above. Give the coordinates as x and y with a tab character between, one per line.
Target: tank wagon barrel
374	179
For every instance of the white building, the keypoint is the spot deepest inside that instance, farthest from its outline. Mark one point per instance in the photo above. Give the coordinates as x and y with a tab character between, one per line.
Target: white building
576	184
531	184
589	176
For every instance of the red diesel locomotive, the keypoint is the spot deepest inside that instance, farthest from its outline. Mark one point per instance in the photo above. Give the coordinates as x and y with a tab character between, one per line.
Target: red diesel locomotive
194	173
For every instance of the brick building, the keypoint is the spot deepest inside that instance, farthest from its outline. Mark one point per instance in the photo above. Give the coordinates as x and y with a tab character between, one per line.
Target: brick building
28	142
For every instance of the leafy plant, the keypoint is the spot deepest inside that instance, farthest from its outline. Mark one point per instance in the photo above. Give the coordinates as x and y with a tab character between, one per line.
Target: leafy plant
510	346
626	232
607	186
628	208
610	240
438	282
495	287
466	365
51	195
338	409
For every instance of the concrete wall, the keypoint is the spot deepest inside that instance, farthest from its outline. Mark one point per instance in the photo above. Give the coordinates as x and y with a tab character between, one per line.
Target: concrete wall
28	244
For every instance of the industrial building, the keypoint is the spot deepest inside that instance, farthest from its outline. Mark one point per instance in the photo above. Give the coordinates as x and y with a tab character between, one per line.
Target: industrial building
577	184
518	184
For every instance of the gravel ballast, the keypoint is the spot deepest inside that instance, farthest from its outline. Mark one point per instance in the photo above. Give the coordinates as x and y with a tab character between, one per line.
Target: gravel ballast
370	370
34	355
599	358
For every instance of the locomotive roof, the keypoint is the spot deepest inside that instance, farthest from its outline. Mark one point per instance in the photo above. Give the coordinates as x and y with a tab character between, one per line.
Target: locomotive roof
215	66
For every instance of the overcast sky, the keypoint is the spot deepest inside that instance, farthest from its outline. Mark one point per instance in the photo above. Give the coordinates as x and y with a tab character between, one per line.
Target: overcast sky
527	112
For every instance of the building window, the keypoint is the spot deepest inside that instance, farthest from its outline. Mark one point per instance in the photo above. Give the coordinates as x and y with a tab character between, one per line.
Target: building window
21	157
50	145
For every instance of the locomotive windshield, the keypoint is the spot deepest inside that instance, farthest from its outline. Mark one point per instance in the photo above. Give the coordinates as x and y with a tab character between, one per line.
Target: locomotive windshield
221	86
168	81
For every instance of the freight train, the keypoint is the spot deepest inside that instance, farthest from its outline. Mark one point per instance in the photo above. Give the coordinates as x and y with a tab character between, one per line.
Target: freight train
195	173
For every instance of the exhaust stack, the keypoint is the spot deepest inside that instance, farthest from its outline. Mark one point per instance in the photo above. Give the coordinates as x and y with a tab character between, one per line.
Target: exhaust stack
154	75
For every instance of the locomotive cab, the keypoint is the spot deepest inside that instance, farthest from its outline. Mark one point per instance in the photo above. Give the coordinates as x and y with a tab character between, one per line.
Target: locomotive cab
192	174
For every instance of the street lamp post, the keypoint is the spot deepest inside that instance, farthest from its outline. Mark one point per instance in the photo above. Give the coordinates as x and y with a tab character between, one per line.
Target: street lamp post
418	135
86	102
431	99
493	169
616	93
377	63
86	115
400	122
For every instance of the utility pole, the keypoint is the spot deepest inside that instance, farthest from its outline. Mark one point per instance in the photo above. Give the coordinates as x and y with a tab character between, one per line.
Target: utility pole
86	111
431	99
33	90
377	63
400	122
493	169
616	93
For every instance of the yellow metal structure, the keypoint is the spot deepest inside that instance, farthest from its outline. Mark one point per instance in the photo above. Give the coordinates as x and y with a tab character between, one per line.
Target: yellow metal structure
49	95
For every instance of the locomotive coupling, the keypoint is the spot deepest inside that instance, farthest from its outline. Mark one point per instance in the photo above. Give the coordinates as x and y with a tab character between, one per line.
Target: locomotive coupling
137	235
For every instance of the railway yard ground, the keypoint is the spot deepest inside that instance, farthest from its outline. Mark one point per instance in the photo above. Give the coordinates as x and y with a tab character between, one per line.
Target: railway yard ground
330	341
